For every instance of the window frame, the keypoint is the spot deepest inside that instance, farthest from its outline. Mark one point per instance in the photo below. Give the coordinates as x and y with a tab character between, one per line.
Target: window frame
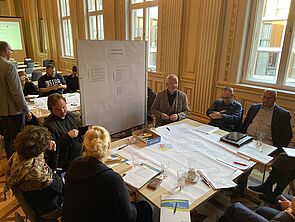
96	13
256	10
144	6
61	20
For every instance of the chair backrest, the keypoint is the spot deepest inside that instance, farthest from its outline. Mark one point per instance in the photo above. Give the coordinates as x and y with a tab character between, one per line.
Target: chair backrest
47	62
30	65
30	213
29	70
36	75
18	217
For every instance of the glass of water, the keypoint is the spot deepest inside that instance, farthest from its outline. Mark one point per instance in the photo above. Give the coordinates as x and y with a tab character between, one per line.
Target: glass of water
164	167
181	179
259	140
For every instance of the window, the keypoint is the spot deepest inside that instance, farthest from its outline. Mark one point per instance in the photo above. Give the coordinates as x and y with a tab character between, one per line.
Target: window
272	45
144	26
94	12
65	28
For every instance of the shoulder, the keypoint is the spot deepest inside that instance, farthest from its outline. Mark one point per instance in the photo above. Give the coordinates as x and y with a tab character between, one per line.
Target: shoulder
50	121
181	93
237	103
280	109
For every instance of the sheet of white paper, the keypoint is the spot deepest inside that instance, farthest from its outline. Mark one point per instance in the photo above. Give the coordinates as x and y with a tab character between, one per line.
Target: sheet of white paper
290	152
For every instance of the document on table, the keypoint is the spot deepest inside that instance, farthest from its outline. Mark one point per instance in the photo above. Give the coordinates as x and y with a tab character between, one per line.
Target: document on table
255	154
174	209
214	178
204	128
138	176
290	152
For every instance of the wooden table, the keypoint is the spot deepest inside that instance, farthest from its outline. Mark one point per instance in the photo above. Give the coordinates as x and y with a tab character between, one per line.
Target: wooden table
38	106
155	196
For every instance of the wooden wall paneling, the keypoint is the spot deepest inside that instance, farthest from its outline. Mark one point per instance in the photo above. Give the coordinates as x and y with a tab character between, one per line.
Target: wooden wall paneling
120	20
109	19
51	16
200	51
170	23
31	30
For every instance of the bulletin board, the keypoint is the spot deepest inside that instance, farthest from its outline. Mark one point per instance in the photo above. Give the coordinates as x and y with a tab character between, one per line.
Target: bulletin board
112	78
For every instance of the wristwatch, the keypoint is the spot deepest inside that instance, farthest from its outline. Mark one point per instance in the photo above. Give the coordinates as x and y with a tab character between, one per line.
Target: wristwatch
290	212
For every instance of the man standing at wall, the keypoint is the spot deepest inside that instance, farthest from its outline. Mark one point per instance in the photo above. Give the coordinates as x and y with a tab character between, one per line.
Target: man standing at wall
12	103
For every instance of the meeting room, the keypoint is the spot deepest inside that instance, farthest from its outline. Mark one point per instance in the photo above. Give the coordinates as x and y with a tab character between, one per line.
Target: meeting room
147	110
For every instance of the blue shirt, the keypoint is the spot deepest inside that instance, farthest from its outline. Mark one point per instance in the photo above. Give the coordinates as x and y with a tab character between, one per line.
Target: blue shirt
231	120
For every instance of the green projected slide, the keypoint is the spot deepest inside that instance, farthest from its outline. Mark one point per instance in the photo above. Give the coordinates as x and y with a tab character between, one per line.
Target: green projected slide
11	33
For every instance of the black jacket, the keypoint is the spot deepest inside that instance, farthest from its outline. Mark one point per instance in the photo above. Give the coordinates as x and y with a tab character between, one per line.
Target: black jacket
67	148
94	192
281	130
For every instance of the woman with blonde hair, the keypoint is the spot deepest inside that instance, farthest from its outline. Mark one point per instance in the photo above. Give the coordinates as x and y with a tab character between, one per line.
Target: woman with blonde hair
94	192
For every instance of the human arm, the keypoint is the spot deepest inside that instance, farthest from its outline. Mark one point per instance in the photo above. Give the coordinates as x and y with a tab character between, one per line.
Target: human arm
235	116
185	109
155	109
16	90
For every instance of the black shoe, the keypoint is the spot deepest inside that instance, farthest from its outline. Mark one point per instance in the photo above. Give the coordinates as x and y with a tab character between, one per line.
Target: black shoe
260	189
268	197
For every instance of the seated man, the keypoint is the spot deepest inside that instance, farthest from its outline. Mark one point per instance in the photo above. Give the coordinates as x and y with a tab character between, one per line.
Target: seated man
226	112
72	80
64	131
51	82
282	173
270	119
170	104
239	212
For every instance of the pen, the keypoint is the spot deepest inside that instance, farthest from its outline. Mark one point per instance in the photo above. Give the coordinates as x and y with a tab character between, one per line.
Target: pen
122	146
175	207
167	128
239	163
206	182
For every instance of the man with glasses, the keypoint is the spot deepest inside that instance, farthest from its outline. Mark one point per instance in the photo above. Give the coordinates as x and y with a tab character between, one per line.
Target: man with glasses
12	103
226	113
270	119
274	122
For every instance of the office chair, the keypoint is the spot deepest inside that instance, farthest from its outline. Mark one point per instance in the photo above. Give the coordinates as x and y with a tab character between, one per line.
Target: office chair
18	217
30	213
36	75
29	70
47	62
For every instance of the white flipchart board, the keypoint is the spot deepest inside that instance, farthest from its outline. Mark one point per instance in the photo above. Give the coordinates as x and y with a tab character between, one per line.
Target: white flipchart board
112	79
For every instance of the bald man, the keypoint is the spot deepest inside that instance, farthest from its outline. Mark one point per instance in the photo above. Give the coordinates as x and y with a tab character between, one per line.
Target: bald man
274	122
170	104
270	119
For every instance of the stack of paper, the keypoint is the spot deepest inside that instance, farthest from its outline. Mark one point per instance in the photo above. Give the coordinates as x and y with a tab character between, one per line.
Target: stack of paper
204	128
174	209
255	154
140	175
214	178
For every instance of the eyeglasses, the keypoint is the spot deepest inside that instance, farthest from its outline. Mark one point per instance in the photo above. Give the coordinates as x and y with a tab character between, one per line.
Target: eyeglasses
225	97
11	50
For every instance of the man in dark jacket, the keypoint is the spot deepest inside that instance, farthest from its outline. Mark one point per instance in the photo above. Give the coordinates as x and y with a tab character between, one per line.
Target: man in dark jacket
226	113
64	131
271	119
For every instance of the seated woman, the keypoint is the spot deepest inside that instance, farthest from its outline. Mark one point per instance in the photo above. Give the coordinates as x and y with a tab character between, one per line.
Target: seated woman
94	192
28	171
28	87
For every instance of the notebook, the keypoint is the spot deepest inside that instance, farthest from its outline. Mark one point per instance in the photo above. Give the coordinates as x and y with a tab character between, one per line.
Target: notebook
236	139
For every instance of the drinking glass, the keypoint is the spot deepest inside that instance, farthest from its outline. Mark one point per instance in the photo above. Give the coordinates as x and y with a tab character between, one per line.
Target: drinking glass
259	140
164	167
180	179
135	160
191	173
